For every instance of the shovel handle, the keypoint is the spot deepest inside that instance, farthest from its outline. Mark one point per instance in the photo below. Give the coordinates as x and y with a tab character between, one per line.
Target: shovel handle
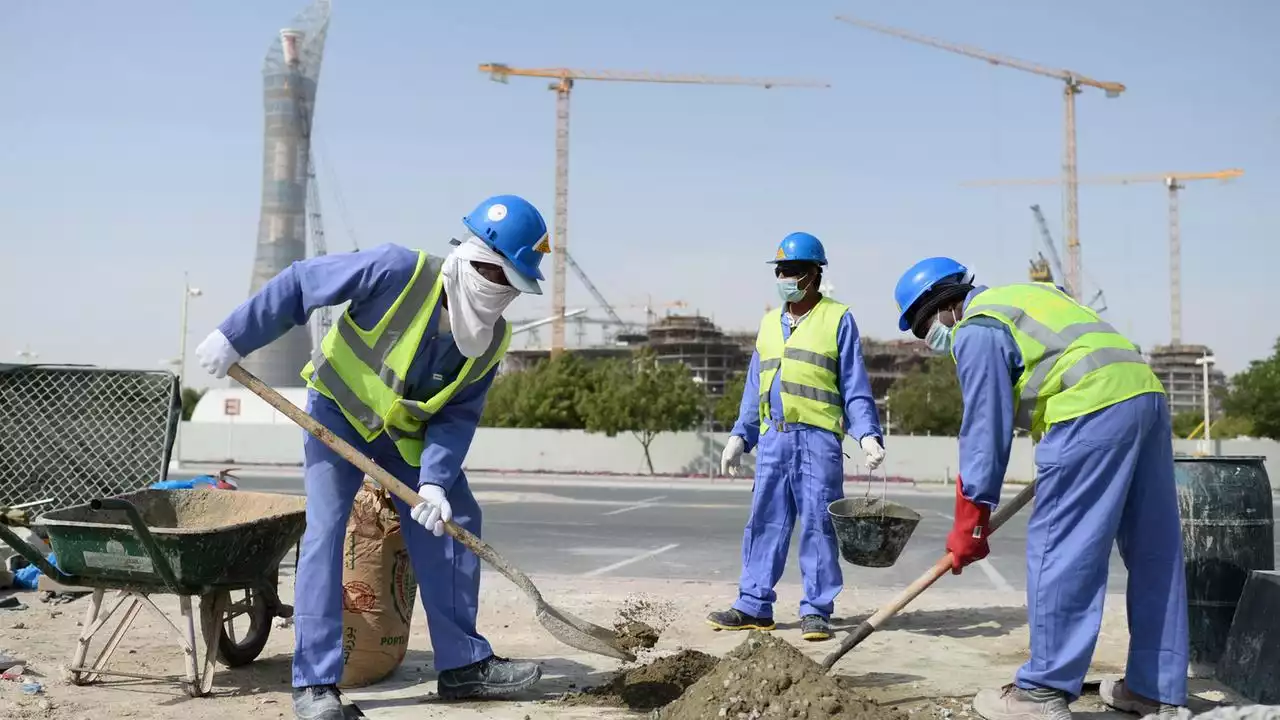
922	583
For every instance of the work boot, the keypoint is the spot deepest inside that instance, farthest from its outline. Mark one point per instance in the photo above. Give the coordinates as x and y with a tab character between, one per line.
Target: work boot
317	702
1118	696
735	619
1013	703
815	628
492	677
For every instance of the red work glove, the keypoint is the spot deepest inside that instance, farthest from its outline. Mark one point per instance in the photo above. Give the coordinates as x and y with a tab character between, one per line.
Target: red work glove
968	539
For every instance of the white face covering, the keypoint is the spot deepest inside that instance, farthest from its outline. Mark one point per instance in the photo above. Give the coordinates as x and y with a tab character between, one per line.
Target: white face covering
475	303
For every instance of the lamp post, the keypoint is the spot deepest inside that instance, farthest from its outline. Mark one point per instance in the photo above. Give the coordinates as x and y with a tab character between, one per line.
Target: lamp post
188	292
1205	362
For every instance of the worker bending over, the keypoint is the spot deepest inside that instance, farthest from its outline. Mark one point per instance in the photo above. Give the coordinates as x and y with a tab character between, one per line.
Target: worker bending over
1028	355
402	376
808	384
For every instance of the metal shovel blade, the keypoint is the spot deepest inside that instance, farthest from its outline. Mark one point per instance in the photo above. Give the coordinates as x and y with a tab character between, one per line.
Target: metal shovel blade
578	633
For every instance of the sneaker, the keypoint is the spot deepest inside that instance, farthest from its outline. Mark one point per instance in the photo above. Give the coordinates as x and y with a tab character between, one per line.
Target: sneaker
492	677
317	702
1013	703
735	619
815	628
1119	697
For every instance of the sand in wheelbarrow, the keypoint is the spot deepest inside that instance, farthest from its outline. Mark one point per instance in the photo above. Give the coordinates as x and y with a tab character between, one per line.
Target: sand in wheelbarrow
649	686
765	677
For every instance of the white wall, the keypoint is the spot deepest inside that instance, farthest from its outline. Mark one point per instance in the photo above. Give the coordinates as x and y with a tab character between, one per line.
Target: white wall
923	459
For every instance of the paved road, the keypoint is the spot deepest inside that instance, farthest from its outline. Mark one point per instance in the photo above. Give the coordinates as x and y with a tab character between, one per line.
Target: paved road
688	529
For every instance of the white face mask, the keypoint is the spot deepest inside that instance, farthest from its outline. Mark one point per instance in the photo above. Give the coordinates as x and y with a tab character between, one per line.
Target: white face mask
475	303
939	336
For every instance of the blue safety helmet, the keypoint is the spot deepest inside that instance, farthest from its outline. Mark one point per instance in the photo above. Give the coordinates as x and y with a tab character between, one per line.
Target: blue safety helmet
922	277
800	247
514	229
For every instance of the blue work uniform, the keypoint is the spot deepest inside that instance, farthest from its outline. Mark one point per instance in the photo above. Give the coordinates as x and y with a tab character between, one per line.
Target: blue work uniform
448	574
1101	478
799	471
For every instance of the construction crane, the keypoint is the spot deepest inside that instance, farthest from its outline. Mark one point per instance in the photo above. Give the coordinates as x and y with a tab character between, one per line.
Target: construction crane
1046	270
562	83
319	246
1173	182
1073	83
595	292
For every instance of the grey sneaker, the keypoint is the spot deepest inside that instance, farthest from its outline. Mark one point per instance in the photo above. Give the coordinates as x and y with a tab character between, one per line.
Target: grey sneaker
317	702
1013	703
492	677
815	628
1119	697
735	619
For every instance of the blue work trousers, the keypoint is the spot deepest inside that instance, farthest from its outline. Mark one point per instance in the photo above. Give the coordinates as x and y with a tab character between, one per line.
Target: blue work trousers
799	471
1107	477
448	574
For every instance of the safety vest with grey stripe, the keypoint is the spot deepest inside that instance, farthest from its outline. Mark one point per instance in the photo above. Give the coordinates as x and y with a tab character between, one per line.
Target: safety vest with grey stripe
375	356
1056	343
804	391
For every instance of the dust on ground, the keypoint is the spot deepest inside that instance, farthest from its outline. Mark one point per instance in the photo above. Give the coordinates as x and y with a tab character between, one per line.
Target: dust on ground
767	677
649	686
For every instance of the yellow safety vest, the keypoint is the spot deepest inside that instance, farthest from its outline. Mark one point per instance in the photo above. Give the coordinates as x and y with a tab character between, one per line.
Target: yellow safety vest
809	361
364	371
1074	363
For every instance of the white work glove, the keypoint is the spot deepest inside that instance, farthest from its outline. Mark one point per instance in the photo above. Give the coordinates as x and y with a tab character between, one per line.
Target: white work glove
434	510
216	355
731	460
875	452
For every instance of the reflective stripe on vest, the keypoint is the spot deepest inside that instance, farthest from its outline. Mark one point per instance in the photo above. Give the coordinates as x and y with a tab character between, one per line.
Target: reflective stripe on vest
809	365
1056	362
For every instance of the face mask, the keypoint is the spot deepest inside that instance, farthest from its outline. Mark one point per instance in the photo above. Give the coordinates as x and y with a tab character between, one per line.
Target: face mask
475	303
790	291
939	336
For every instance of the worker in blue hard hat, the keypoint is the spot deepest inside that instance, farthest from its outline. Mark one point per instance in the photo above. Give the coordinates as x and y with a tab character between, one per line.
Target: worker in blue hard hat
806	389
1029	356
402	376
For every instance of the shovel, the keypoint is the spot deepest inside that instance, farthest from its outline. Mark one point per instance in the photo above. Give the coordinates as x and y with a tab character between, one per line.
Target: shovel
940	568
572	631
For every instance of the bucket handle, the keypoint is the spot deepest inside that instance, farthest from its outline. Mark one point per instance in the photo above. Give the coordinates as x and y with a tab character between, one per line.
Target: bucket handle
144	536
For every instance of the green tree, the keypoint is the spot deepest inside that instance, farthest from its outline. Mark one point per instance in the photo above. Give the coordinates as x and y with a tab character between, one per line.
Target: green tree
926	400
1255	396
547	395
190	396
1186	422
724	409
645	398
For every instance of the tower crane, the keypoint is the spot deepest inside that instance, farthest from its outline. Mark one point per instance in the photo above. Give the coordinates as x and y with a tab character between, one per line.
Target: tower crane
1173	182
1052	267
1073	84
595	292
319	246
562	80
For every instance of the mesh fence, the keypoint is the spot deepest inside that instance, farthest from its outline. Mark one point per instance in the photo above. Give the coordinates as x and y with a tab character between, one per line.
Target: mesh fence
74	434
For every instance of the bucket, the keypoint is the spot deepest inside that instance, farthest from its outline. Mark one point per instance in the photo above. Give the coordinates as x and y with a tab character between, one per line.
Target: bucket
872	531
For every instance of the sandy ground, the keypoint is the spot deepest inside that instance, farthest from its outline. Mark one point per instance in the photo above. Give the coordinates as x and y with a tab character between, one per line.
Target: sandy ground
929	661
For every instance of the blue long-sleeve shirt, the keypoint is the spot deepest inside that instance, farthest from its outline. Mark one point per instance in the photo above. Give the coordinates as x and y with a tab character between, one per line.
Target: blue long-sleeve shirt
861	417
988	365
371	280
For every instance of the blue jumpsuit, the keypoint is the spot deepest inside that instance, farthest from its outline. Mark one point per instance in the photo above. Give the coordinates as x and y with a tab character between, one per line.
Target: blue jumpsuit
448	575
1101	478
799	470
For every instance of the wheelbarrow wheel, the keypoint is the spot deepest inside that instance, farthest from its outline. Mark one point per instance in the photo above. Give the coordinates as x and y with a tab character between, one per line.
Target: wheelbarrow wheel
243	630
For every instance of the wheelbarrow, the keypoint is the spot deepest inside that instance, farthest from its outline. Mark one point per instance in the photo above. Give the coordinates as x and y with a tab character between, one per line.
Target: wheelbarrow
201	544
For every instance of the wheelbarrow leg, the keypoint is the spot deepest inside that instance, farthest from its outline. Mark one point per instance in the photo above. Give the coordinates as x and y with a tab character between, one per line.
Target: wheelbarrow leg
86	634
113	642
189	649
213	611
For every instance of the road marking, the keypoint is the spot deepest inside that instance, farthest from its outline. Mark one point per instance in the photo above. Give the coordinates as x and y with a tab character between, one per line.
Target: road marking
994	575
641	504
623	563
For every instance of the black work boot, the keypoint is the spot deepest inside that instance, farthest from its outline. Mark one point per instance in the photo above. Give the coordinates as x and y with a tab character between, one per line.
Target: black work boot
492	677
735	619
317	702
815	628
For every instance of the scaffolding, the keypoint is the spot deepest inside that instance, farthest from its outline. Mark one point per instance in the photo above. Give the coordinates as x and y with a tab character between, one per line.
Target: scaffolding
1183	379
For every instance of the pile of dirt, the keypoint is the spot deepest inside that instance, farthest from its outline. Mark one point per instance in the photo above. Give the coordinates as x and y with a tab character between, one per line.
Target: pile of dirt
765	677
636	635
650	686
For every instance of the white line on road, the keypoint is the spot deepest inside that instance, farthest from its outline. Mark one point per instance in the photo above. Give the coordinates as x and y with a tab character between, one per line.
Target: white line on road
641	504
994	575
623	563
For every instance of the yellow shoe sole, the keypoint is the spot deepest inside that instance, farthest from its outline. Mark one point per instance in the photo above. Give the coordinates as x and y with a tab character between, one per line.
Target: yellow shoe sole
816	636
753	626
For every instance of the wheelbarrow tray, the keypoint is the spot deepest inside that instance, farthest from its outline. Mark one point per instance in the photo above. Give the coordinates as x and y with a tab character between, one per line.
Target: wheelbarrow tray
211	539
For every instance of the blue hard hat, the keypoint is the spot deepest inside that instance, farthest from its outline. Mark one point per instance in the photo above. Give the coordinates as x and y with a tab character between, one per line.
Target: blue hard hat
800	247
922	277
514	229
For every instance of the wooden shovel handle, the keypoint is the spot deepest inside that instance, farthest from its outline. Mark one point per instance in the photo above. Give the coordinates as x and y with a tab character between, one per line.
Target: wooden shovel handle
922	583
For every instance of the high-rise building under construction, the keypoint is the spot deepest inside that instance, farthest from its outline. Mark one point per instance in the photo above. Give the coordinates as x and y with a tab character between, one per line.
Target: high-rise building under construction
290	76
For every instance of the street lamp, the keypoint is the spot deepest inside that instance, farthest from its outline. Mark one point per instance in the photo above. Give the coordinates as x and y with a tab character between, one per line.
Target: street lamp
1205	362
27	356
188	292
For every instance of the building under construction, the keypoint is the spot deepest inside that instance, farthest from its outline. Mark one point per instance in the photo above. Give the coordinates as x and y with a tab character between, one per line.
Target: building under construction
1183	379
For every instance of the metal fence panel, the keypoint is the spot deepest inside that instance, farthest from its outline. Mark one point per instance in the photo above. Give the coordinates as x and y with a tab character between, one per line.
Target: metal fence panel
78	433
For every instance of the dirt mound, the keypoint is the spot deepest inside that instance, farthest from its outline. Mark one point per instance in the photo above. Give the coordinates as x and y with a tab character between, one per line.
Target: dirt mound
649	686
636	635
765	677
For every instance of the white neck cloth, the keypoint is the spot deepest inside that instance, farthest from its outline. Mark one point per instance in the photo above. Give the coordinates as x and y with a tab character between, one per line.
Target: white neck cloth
475	303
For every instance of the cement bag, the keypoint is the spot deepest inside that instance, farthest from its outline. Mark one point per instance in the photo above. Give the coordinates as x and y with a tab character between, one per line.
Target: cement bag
378	590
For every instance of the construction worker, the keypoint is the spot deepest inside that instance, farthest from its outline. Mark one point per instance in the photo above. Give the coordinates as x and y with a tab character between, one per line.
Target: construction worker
402	376
1030	356
807	382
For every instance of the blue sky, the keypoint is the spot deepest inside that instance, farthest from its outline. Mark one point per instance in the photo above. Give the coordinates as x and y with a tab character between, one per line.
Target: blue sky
131	140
